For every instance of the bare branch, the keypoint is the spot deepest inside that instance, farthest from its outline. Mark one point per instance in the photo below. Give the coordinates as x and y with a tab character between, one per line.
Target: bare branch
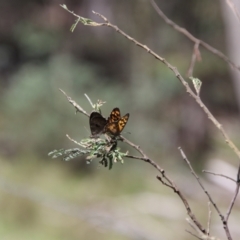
170	185
235	195
88	98
195	56
225	223
77	107
218	174
194	235
233	8
166	184
209	218
192	38
72	140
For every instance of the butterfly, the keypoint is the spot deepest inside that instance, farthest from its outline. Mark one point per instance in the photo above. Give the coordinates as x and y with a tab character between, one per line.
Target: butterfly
112	126
97	123
116	123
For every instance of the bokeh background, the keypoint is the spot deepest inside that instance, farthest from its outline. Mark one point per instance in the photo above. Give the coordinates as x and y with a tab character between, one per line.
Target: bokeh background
44	198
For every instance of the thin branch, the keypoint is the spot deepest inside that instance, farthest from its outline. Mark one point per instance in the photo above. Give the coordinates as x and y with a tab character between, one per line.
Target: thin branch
192	38
195	56
77	107
209	218
194	235
225	223
72	140
218	174
234	9
166	184
88	98
171	184
235	195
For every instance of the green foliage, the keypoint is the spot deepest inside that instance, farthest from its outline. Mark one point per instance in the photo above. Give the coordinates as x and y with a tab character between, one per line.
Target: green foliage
104	149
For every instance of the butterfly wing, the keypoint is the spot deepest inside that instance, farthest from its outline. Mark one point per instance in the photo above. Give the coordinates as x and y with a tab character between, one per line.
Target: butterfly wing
115	128
115	115
97	123
123	121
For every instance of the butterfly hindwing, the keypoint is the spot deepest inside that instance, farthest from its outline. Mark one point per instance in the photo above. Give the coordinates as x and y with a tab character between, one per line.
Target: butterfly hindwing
97	123
123	121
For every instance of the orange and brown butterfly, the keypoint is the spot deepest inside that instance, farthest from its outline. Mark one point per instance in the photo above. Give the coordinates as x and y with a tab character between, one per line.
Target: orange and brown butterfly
97	123
116	123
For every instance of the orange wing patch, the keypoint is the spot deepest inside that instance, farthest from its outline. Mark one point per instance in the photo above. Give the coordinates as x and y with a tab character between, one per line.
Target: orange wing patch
115	128
115	115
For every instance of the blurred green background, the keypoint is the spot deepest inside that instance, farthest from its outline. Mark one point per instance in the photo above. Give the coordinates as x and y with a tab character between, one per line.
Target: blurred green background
44	198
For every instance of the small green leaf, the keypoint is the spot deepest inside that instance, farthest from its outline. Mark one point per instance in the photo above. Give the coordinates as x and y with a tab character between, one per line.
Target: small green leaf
197	84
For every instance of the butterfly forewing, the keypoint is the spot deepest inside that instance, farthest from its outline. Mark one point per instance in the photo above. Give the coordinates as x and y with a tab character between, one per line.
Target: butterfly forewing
97	123
115	115
115	128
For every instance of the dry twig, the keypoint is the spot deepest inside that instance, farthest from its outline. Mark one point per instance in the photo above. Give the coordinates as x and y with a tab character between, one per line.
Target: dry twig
192	38
209	218
220	175
233	8
235	195
195	56
223	219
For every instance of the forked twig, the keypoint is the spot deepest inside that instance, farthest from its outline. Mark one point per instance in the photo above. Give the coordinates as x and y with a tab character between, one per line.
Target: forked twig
235	195
223	219
192	38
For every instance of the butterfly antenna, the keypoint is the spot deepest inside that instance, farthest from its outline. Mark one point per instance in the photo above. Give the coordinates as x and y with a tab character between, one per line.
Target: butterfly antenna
127	132
87	129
